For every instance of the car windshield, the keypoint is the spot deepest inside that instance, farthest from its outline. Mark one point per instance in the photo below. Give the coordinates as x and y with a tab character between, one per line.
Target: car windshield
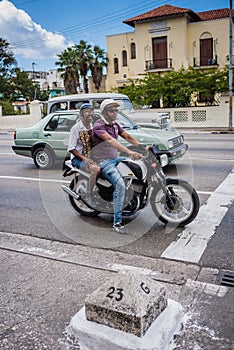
125	104
125	121
122	119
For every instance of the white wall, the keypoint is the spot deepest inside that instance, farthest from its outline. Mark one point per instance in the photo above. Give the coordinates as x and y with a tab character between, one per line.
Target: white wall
12	122
213	117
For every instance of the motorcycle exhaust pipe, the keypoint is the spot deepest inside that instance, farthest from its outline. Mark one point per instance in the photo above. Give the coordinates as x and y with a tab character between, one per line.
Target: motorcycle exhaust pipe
71	193
76	196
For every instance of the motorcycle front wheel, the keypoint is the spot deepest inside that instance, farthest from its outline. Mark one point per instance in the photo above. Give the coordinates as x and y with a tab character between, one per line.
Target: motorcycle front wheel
178	206
80	184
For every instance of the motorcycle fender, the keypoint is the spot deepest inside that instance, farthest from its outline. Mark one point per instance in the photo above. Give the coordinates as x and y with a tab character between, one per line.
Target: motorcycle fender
180	179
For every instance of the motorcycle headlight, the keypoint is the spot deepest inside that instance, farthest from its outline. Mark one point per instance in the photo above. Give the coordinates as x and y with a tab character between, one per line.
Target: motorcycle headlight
163	160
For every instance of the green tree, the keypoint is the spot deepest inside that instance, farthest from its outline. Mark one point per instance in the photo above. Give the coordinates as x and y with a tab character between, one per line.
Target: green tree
84	59
21	85
98	63
68	63
77	61
7	59
177	88
8	64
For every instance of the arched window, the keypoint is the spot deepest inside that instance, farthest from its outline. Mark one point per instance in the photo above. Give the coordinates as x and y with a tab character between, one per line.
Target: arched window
116	65
133	50
124	58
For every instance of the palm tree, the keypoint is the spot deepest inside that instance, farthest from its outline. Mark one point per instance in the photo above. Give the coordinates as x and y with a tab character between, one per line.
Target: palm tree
96	66
84	58
69	66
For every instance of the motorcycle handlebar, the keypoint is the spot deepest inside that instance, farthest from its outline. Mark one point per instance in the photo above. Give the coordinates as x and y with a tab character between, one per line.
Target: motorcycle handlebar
149	152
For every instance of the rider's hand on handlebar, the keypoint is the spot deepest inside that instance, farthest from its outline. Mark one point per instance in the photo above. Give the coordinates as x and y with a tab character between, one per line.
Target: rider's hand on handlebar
135	155
147	148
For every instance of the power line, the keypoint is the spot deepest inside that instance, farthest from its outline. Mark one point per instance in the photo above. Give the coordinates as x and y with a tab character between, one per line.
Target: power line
91	24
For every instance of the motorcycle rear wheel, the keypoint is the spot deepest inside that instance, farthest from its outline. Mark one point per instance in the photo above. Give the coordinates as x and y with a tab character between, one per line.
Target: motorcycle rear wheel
80	184
185	205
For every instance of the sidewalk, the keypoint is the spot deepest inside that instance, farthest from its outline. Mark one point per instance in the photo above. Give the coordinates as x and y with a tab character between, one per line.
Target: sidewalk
44	284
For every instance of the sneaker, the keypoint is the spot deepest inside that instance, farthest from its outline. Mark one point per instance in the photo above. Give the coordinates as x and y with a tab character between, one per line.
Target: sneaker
119	228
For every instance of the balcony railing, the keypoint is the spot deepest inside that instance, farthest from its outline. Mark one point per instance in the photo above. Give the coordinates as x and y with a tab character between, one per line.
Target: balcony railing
162	63
205	61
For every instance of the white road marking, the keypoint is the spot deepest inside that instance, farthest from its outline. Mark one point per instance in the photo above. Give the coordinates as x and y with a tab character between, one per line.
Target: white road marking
212	159
194	238
32	179
58	181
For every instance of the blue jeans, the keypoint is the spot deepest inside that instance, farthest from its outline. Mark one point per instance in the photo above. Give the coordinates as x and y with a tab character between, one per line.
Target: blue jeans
112	174
78	163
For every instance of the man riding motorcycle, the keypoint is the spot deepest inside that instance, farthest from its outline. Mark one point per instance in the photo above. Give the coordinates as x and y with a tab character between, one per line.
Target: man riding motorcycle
105	153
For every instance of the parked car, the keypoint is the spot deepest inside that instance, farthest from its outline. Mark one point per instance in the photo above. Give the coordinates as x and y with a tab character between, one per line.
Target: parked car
46	142
151	119
74	101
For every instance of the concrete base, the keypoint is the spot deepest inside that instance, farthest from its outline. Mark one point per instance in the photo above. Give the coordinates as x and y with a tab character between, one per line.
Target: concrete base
92	336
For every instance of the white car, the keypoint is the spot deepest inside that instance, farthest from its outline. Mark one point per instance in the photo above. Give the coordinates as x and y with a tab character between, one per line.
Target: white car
151	119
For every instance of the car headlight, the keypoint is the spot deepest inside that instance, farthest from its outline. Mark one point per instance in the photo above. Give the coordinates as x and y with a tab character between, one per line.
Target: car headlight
170	144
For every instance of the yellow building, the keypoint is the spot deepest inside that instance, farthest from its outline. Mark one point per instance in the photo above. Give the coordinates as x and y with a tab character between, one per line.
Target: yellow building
167	38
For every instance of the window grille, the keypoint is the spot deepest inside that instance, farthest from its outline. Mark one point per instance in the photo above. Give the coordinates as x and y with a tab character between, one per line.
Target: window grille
181	116
199	116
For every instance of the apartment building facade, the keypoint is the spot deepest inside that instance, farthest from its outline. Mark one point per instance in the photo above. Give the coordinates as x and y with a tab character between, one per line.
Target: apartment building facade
165	39
47	80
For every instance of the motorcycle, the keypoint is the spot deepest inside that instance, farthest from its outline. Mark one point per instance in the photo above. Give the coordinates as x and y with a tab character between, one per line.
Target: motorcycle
173	200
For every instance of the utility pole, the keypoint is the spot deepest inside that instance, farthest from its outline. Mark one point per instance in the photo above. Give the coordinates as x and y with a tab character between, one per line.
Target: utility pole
35	92
33	64
230	67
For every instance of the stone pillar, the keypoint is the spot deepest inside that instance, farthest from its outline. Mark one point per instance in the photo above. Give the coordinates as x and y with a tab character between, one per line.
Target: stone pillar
35	111
130	311
130	302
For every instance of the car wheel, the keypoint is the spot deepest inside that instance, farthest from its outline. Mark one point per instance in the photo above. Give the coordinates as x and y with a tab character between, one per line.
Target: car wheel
43	158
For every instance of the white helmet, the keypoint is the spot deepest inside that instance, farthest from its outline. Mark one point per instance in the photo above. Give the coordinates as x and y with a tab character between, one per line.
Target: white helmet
108	102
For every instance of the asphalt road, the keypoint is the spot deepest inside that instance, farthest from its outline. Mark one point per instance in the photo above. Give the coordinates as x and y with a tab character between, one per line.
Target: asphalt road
32	203
44	281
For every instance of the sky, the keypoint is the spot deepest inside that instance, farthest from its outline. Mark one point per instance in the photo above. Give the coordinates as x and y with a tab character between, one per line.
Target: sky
39	30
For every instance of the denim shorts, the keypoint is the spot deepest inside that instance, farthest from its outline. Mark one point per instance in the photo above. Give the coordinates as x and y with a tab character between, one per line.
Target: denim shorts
78	163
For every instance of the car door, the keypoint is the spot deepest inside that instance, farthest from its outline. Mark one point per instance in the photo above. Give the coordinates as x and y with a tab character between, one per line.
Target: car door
56	132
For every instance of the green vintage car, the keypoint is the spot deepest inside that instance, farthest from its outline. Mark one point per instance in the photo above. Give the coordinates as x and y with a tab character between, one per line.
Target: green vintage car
46	141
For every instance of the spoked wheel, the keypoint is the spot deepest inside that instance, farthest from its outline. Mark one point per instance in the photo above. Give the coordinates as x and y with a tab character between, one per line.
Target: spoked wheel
179	206
80	185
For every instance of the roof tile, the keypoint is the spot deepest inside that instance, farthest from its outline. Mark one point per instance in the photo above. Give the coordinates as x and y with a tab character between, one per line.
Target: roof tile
213	14
168	10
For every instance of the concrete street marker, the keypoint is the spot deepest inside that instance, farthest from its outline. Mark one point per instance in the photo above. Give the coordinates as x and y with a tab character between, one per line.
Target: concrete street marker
129	311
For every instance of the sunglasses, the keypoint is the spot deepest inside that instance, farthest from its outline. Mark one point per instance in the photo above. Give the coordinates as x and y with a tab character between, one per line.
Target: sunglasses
111	110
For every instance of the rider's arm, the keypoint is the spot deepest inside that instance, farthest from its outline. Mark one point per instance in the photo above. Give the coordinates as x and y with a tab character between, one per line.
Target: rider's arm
129	138
77	154
73	140
114	143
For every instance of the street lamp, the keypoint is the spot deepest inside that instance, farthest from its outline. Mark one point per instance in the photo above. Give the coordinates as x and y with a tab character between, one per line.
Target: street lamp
33	64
